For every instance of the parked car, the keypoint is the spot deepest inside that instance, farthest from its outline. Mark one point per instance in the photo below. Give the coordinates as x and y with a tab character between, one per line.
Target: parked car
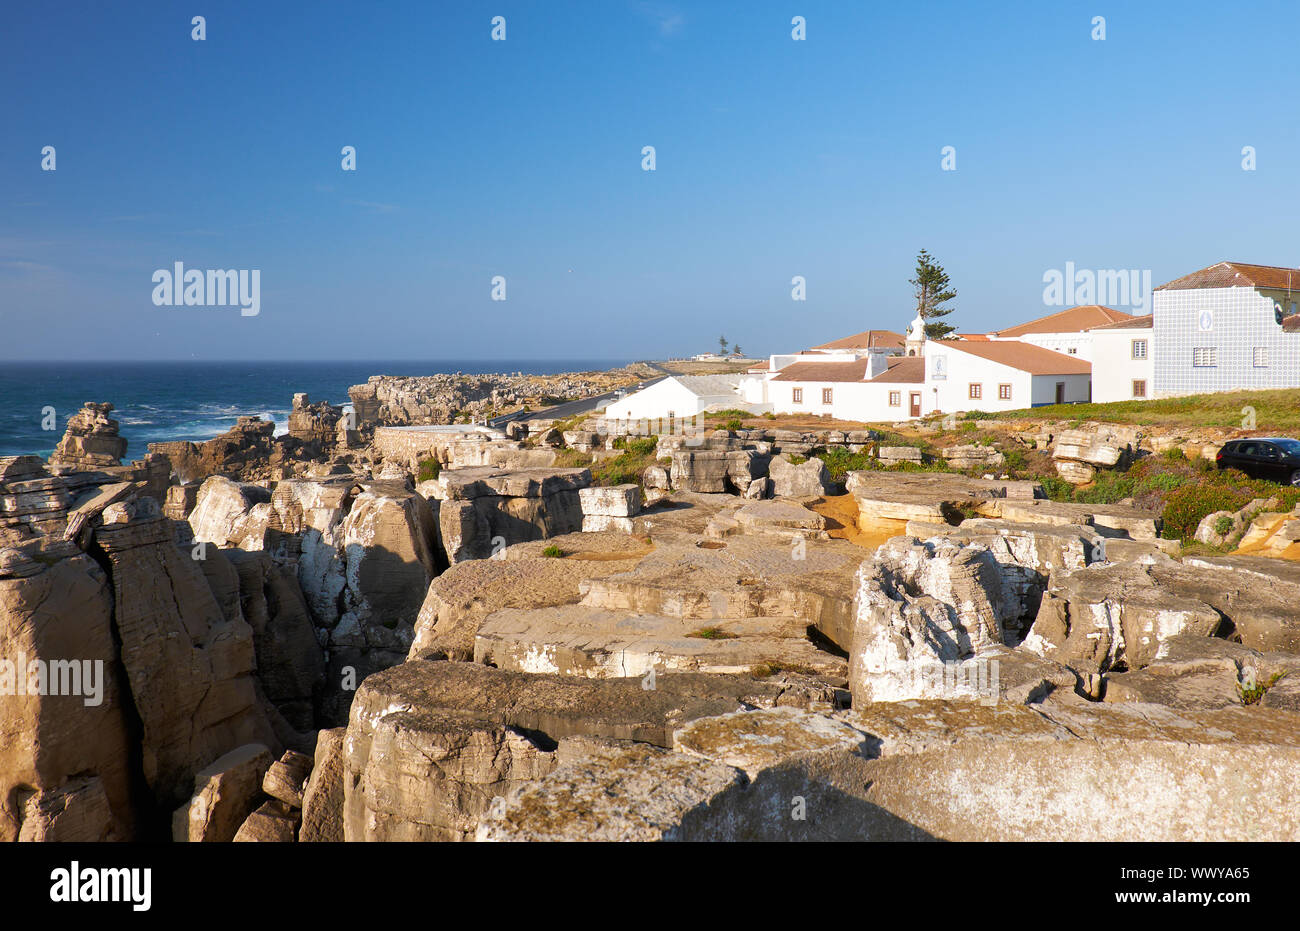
1274	458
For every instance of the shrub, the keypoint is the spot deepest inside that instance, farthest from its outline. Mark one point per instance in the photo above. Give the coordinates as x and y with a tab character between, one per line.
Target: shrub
734	424
641	446
553	551
429	470
1223	526
1187	505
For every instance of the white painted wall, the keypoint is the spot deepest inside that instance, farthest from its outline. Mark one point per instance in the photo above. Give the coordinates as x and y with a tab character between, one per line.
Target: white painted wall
664	397
1113	367
1081	343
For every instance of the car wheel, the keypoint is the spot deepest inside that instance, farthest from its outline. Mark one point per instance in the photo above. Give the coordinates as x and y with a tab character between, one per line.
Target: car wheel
1295	478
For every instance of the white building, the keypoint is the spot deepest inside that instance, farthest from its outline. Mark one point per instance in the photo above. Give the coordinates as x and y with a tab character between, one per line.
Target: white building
1065	331
950	376
678	396
1123	366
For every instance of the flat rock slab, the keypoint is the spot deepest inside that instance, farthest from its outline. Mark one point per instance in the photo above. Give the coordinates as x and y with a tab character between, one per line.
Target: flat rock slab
460	598
740	577
1111	520
632	793
559	706
753	741
576	640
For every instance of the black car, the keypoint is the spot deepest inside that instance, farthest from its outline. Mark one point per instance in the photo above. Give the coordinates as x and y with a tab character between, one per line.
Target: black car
1271	457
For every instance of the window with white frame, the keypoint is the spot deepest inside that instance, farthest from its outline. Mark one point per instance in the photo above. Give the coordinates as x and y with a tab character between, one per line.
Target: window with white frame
976	391
1260	357
1205	357
895	399
1139	349
1004	392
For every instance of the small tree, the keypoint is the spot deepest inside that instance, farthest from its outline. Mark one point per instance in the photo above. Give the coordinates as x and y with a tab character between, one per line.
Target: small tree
932	293
722	342
736	351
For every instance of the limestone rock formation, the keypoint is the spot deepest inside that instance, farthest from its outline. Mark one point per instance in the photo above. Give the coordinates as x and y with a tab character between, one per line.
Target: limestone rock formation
65	754
483	510
431	744
91	440
189	665
922	606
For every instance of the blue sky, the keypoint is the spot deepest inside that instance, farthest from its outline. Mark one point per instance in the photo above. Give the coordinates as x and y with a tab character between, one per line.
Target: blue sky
522	158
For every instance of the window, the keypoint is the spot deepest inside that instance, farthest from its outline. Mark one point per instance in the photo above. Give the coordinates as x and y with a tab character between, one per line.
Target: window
1073	350
1205	357
796	395
1260	357
1139	349
826	395
976	391
895	399
1139	388
1004	392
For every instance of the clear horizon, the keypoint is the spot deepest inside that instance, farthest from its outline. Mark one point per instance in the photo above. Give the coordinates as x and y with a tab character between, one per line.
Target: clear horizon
774	158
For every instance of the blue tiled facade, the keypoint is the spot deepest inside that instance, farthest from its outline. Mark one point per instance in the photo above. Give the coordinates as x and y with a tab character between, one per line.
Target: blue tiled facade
1222	339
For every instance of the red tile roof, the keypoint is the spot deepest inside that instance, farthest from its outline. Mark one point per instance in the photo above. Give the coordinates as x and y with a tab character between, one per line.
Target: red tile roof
1073	320
867	339
909	370
1142	322
1237	275
824	371
1023	356
1291	324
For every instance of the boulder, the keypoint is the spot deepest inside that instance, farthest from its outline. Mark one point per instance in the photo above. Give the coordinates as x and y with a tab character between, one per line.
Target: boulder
923	609
274	823
225	793
219	506
322	799
286	778
973	457
809	478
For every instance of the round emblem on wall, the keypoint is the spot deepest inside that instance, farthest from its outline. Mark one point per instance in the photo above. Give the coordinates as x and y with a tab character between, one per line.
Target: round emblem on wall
1205	321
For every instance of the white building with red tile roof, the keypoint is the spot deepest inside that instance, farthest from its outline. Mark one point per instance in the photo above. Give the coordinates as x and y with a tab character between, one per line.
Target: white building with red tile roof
1065	331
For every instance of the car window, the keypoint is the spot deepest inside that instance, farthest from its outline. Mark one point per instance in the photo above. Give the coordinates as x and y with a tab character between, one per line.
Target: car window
1247	449
1268	451
1290	446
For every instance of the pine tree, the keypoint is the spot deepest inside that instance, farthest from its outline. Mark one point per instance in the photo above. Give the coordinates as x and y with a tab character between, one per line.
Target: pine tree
932	292
722	341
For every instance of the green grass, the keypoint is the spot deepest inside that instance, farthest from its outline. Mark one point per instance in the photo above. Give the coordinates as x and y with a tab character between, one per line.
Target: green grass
553	551
1275	411
711	633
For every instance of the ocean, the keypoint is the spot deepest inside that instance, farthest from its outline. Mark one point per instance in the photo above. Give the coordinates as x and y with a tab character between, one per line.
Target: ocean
156	401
